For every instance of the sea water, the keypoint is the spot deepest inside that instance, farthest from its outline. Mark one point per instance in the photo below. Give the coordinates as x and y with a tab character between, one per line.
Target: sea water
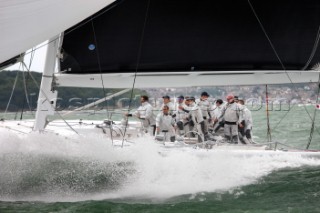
53	173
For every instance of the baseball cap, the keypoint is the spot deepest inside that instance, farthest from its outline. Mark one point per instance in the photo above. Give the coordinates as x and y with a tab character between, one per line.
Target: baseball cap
191	98
205	94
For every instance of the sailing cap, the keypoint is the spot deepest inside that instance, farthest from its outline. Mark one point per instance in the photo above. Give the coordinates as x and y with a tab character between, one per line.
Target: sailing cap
180	97
229	97
166	96
205	94
219	101
191	98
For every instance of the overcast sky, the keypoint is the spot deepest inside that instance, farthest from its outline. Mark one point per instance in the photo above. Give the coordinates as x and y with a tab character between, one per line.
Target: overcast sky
38	59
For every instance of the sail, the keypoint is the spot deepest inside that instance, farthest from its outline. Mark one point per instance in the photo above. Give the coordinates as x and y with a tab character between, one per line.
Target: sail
195	36
26	23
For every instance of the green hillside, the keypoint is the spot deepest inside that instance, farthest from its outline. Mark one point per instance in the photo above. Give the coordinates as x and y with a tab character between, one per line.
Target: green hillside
68	98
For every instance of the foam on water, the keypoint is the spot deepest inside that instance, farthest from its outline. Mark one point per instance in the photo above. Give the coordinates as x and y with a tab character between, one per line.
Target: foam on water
52	168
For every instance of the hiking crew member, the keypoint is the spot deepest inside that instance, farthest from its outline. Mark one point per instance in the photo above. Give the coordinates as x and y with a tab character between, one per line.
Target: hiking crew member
196	116
233	117
247	117
145	114
216	114
167	102
165	124
181	116
206	108
189	124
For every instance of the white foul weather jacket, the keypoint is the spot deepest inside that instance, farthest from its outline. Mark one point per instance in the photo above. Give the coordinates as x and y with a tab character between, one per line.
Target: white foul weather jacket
165	122
145	112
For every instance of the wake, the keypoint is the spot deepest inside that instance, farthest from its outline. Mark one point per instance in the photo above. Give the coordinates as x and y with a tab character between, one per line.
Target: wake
52	168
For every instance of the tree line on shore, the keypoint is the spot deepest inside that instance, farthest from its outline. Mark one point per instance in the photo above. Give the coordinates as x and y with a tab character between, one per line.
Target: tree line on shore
26	90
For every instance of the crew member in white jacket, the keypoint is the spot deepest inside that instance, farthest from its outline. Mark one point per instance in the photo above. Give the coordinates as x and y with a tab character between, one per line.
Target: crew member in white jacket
206	108
145	114
167	102
232	117
197	118
216	114
165	125
181	116
247	117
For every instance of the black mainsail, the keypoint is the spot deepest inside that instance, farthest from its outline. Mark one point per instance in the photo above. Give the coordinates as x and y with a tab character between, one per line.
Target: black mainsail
184	36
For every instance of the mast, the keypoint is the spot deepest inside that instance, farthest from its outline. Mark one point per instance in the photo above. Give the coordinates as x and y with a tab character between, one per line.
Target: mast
47	94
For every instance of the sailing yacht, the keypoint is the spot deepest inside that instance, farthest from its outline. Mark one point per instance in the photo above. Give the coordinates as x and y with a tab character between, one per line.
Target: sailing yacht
161	43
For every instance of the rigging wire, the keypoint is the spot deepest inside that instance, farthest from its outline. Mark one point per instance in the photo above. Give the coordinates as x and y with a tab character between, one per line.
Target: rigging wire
314	115
314	49
268	120
101	76
137	65
29	68
265	33
25	85
280	61
24	88
12	91
99	65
